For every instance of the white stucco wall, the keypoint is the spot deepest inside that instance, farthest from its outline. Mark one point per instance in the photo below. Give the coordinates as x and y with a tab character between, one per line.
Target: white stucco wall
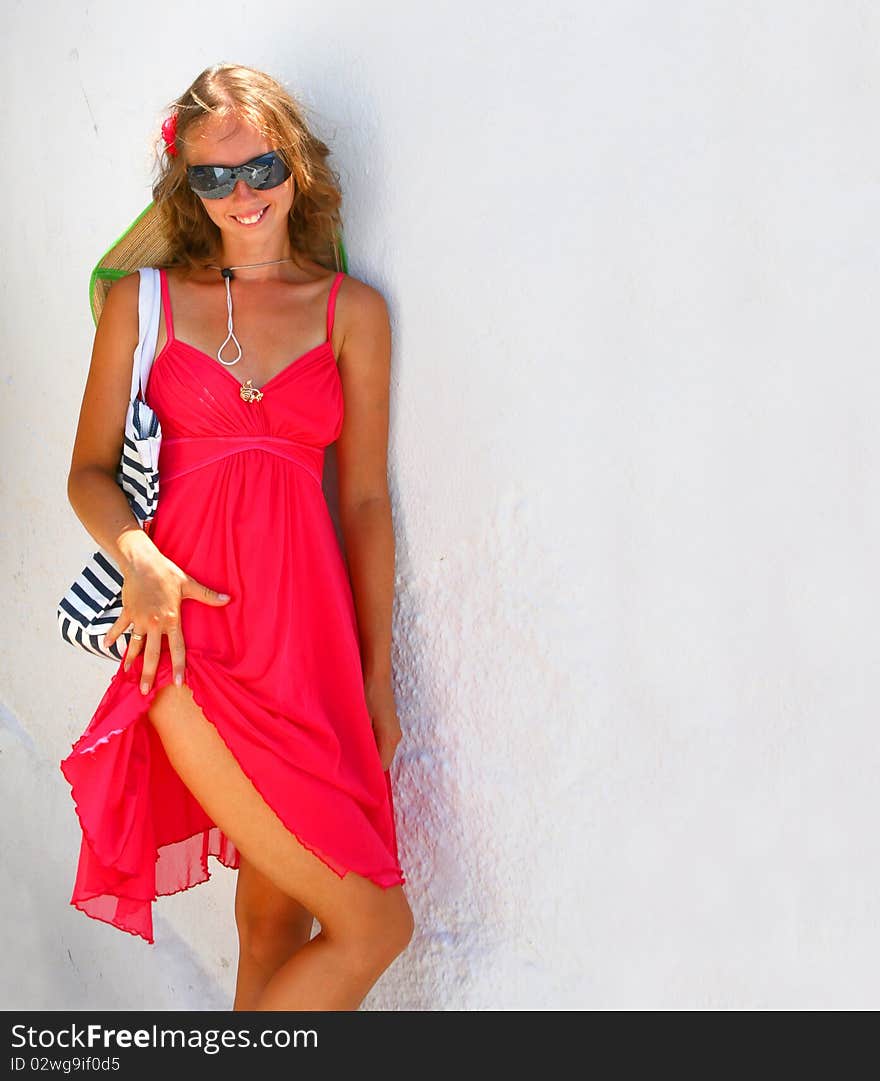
630	252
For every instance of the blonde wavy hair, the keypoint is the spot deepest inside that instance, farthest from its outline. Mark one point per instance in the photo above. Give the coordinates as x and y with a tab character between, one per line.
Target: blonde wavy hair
243	93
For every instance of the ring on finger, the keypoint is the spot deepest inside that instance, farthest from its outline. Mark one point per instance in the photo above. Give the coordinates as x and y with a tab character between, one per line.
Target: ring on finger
137	637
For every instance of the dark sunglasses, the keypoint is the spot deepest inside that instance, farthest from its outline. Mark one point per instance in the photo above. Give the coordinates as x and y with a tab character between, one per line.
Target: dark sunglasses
218	181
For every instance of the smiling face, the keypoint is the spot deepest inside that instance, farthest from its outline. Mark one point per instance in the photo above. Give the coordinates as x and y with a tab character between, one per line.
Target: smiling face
249	221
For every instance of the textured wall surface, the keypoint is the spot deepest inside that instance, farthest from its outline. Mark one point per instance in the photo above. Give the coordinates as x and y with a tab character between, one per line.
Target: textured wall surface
630	252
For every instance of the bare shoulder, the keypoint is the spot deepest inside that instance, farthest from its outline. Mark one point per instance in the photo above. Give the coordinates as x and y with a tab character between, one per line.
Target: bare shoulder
363	318
127	286
120	312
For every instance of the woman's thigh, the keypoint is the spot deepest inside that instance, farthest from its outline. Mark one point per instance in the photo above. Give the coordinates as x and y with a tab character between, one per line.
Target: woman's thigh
198	754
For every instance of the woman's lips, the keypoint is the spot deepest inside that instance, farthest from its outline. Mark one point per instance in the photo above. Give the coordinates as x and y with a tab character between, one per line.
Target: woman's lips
248	223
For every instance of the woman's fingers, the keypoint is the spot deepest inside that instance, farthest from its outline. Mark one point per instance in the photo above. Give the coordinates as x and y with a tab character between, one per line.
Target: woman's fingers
135	645
151	604
178	654
118	627
150	644
199	592
151	659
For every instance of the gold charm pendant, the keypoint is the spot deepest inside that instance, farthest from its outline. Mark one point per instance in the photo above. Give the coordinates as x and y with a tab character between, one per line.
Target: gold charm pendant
250	393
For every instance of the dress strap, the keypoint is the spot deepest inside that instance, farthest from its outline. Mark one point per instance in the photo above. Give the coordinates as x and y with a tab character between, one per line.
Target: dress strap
166	306
331	304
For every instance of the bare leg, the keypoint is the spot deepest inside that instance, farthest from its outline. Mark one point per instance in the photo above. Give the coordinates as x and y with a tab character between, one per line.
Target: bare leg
271	928
326	974
363	926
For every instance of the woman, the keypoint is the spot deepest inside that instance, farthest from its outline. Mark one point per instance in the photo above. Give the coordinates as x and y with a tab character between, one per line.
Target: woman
256	722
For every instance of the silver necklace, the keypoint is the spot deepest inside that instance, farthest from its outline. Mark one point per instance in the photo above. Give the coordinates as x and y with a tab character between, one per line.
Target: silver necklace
247	391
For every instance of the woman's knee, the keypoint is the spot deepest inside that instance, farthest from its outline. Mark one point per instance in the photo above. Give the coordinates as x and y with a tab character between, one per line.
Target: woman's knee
404	928
376	934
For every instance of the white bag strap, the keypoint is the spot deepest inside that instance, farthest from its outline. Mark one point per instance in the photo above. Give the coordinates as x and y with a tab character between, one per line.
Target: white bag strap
149	307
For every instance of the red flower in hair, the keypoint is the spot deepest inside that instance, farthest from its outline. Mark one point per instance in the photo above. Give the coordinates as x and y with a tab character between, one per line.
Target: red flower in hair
169	134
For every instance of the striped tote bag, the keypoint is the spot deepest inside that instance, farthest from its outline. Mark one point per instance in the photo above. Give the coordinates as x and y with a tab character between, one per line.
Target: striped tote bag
93	602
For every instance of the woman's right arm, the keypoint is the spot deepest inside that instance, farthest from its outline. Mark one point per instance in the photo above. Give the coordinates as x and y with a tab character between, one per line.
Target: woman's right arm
99	502
153	586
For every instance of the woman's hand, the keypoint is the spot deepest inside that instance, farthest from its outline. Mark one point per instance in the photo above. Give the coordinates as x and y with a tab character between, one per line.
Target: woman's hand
383	713
152	593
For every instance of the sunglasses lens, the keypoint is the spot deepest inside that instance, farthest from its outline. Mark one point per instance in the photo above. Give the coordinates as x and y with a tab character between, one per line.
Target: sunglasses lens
268	172
218	181
211	181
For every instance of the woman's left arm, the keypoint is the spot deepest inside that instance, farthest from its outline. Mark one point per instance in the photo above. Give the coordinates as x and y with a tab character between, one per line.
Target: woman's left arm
364	502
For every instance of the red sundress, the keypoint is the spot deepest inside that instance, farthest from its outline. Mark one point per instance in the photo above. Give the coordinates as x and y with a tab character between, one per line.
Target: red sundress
277	669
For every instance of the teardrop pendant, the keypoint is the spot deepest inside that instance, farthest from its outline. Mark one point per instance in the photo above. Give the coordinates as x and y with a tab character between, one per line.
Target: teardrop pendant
230	337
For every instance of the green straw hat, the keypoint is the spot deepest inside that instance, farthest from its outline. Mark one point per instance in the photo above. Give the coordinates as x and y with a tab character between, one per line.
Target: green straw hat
144	244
